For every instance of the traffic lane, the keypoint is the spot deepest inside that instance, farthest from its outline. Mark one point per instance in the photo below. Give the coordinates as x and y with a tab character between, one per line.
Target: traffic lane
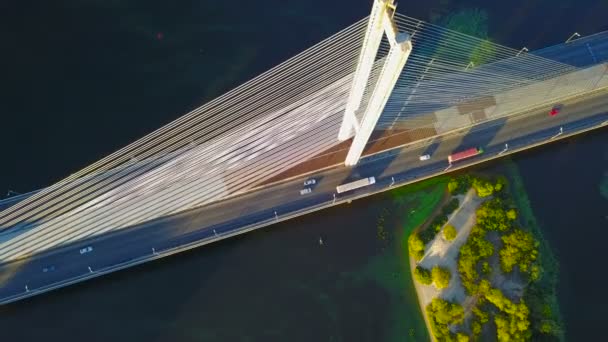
130	252
123	248
156	233
79	264
297	186
69	264
576	52
289	207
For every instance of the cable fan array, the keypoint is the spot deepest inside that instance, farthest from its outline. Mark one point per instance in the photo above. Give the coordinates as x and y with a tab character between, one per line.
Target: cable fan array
269	124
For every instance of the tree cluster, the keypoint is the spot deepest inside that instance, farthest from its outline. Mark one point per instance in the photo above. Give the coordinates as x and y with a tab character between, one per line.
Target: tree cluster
521	249
475	249
512	323
483	186
439	221
441	315
512	320
493	215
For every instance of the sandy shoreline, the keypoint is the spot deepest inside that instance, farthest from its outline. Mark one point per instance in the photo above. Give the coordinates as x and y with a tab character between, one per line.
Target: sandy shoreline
417	285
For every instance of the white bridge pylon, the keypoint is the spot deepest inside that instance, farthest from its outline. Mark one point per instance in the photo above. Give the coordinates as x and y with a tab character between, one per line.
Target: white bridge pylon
380	22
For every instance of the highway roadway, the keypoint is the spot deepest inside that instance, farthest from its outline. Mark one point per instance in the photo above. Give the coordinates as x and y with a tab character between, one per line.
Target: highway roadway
581	52
60	267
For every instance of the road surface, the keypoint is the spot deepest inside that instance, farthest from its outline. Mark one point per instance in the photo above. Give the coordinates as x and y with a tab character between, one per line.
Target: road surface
56	268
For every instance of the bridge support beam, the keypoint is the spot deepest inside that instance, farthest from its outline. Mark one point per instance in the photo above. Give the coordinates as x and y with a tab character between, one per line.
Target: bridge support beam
380	22
393	65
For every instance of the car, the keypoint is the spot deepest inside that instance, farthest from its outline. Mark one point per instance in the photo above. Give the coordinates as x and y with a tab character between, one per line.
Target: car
425	157
50	268
305	191
555	110
311	181
86	250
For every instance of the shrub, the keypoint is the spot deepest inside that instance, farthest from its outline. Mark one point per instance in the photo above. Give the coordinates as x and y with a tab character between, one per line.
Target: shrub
460	337
483	187
441	277
415	246
423	275
459	185
453	186
449	232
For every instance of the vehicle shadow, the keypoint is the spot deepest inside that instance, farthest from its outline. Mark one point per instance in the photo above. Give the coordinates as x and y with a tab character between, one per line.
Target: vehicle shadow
432	148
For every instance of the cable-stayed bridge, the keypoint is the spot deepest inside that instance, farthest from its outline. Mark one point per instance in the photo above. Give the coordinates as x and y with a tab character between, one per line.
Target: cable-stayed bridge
367	101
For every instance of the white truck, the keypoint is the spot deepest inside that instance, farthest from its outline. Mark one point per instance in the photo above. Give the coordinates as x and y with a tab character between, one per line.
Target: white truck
355	185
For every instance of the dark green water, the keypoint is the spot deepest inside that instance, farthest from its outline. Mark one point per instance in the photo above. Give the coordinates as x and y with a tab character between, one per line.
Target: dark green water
563	182
82	78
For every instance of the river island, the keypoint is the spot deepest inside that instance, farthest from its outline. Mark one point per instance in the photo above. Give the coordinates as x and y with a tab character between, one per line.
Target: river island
481	267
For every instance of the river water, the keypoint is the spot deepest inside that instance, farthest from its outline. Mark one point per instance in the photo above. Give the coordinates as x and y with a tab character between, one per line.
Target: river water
83	78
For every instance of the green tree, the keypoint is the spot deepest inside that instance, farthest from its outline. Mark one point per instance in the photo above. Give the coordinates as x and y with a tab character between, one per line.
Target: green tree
483	187
449	232
485	267
476	328
441	277
512	214
460	337
459	185
415	246
512	324
519	248
492	216
441	315
453	185
501	182
423	275
483	316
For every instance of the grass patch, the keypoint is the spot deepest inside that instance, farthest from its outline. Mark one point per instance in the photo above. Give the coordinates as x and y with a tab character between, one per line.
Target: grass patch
398	194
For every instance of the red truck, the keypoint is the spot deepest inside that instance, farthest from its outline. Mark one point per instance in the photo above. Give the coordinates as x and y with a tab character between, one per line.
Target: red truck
464	154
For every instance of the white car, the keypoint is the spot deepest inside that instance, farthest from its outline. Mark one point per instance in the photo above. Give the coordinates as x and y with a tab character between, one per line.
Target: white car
305	191
425	157
86	250
311	181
